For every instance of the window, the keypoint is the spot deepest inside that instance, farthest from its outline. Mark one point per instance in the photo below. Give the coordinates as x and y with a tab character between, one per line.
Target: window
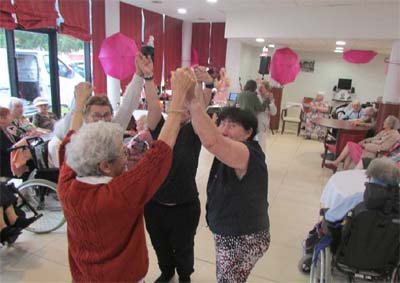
5	91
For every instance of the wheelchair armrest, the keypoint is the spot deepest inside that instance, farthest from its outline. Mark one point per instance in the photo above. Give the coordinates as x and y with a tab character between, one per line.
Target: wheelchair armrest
17	147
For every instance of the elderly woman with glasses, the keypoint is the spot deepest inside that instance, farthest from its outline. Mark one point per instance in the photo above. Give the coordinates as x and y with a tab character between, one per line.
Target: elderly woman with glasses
102	201
237	190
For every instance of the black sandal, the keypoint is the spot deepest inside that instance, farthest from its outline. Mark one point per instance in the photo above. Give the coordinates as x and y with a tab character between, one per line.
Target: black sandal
9	235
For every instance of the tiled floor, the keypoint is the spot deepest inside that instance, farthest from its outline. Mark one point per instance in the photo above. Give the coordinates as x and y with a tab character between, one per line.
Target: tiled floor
295	183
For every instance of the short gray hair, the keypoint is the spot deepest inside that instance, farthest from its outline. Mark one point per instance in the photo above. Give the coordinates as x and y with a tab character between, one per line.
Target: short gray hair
385	170
13	102
93	143
393	122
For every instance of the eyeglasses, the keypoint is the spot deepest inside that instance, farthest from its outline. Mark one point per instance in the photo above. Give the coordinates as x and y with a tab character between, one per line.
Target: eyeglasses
99	116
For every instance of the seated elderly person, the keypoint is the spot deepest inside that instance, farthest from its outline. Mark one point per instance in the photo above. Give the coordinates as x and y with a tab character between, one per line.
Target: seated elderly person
368	120
44	119
383	174
7	140
355	112
22	126
103	202
11	223
317	109
353	152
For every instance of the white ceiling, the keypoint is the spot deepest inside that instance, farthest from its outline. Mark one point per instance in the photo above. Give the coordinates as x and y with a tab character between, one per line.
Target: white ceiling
202	11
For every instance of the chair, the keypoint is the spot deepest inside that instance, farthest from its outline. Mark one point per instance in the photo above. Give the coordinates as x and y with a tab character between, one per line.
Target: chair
306	103
344	137
292	113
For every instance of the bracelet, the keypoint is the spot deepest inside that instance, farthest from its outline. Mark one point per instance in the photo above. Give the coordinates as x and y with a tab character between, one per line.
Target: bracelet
149	78
176	111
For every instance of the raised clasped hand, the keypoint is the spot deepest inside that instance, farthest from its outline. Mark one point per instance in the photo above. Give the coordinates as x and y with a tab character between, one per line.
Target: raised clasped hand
144	65
202	75
183	82
82	92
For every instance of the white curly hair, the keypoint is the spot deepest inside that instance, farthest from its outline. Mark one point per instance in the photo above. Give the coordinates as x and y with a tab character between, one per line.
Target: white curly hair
93	143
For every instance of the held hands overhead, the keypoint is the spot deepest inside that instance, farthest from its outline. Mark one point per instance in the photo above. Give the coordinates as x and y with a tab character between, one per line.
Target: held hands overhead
183	82
144	66
82	92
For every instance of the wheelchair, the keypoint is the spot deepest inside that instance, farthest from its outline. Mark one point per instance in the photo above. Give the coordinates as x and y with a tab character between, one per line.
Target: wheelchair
365	245
37	196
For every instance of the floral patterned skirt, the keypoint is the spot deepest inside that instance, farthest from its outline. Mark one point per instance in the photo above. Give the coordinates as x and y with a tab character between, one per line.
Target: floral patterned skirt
237	255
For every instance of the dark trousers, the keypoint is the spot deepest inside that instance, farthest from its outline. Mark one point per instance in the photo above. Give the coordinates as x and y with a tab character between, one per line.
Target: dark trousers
172	230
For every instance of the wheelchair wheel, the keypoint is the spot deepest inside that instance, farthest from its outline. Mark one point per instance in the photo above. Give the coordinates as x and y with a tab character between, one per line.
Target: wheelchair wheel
305	264
42	196
395	278
321	271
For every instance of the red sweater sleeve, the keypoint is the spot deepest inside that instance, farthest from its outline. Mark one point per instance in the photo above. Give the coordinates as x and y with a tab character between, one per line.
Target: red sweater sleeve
141	182
66	172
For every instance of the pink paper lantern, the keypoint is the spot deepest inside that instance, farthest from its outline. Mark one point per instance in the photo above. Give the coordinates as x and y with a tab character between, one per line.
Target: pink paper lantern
359	56
285	65
117	56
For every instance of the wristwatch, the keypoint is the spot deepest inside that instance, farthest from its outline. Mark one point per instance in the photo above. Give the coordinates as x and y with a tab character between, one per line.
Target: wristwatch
210	85
148	78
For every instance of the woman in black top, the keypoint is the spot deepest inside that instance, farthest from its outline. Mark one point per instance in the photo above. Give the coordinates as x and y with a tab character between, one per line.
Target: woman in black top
237	190
172	216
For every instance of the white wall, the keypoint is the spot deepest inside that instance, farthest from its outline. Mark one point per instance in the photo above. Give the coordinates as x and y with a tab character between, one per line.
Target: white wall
369	21
249	62
368	79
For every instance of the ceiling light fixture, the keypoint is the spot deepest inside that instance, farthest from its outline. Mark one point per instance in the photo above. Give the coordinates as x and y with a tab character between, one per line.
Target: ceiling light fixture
271	45
212	1
182	11
339	48
338	51
260	39
156	2
340	42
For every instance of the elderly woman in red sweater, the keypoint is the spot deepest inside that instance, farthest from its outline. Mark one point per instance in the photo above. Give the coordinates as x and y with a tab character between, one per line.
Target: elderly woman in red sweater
102	201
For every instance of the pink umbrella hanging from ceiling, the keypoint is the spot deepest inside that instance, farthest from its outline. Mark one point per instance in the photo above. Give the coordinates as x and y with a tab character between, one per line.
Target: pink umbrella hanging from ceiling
359	56
285	65
117	56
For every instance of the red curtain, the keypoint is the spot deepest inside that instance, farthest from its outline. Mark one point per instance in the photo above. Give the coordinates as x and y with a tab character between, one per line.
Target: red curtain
218	45
99	33
131	26
153	25
173	47
201	41
6	20
33	14
76	18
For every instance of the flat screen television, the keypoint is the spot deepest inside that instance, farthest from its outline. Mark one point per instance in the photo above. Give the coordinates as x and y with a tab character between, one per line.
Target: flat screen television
344	84
232	96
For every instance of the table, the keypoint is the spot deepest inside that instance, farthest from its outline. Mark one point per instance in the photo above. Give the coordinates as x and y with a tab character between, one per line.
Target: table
341	185
345	131
338	124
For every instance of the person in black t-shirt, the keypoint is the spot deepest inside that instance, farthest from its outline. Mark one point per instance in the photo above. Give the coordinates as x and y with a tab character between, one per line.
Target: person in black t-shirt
172	216
237	190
